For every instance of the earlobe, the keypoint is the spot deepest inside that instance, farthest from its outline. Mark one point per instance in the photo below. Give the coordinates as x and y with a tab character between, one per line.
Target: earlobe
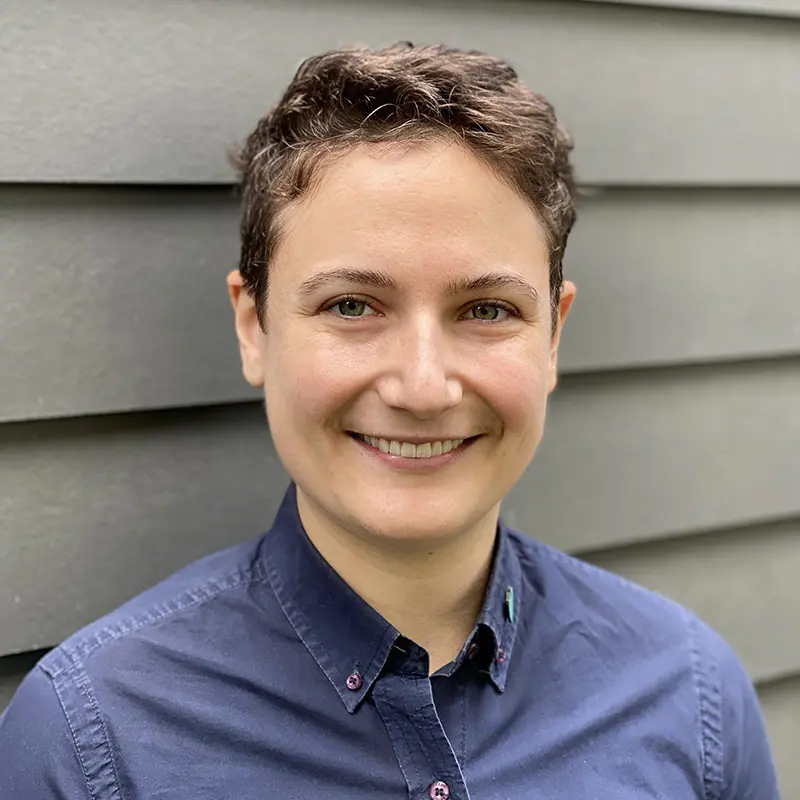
553	377
248	330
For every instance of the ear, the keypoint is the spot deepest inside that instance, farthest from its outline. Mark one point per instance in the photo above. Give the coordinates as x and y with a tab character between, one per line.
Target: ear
248	330
565	299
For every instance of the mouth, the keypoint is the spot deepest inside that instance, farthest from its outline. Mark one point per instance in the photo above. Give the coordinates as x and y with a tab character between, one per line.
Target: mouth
416	450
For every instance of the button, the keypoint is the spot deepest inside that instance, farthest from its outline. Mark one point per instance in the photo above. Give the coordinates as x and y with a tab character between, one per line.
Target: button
501	656
439	790
473	651
354	681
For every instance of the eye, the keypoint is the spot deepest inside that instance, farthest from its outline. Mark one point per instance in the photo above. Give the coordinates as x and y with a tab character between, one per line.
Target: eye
490	311
350	307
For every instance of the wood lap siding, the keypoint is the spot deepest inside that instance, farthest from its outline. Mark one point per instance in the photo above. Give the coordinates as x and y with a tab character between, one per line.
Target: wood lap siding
130	445
769	8
780	703
160	91
151	261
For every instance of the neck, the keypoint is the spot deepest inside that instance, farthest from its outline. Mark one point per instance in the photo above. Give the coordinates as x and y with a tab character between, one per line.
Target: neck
431	591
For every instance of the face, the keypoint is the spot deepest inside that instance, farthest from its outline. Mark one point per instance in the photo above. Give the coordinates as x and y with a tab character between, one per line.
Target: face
409	351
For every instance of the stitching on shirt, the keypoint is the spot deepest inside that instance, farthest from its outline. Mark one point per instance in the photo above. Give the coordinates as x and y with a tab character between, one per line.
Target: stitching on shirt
463	743
324	660
302	627
707	683
190	598
435	728
400	729
312	644
73	733
81	682
298	621
705	671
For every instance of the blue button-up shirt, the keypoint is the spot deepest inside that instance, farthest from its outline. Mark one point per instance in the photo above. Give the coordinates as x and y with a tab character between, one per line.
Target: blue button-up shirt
258	673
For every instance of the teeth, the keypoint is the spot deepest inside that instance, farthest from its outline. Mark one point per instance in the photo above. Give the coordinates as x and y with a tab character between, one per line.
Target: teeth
410	450
424	450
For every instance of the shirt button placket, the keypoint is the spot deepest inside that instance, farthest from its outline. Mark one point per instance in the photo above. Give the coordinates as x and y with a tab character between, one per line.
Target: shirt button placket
424	753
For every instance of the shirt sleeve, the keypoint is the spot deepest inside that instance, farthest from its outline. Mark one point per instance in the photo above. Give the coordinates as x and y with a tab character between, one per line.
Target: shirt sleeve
748	769
38	757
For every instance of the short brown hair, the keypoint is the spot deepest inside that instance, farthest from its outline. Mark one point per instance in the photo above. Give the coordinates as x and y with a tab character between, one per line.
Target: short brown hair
401	93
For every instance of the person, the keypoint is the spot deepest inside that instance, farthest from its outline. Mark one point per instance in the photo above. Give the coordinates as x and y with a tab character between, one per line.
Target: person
400	299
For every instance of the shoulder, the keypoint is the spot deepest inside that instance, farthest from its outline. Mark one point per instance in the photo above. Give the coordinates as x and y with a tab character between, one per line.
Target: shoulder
39	757
199	586
574	589
627	612
644	634
55	733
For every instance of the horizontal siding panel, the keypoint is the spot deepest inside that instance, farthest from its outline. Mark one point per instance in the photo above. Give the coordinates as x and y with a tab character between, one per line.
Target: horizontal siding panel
96	509
116	298
683	276
780	702
159	92
742	582
770	8
638	456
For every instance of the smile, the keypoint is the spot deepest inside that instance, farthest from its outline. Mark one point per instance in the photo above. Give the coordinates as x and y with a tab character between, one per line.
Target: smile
429	449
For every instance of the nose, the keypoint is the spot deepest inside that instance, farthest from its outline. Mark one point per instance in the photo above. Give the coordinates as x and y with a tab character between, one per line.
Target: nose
417	373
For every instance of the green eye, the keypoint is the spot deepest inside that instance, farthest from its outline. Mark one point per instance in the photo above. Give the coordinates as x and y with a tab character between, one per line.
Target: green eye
351	308
488	312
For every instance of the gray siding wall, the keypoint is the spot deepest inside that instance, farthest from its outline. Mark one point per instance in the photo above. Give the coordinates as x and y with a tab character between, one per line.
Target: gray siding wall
129	444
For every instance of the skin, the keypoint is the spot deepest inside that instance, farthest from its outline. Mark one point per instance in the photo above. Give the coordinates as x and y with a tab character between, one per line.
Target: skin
414	353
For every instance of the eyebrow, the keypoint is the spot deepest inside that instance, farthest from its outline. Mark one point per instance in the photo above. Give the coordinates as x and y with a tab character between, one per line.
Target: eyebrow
486	282
362	277
492	281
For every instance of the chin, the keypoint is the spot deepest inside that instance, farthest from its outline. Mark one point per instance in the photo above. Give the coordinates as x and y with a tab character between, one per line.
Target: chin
408	517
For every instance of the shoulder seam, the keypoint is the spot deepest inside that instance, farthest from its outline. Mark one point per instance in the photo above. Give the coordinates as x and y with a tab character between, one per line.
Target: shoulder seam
190	598
81	682
706	675
709	702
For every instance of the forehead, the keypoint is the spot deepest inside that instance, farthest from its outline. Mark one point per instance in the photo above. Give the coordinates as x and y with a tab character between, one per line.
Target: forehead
405	206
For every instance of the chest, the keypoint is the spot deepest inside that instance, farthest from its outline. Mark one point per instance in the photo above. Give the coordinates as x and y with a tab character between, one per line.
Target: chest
417	738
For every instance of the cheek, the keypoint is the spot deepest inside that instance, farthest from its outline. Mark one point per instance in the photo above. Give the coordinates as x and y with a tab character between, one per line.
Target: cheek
514	382
309	380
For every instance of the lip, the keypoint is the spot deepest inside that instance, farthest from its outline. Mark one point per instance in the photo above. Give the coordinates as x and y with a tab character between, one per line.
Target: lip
406	464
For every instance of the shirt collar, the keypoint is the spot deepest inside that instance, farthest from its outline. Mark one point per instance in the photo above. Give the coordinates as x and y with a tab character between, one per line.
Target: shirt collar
351	641
501	608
